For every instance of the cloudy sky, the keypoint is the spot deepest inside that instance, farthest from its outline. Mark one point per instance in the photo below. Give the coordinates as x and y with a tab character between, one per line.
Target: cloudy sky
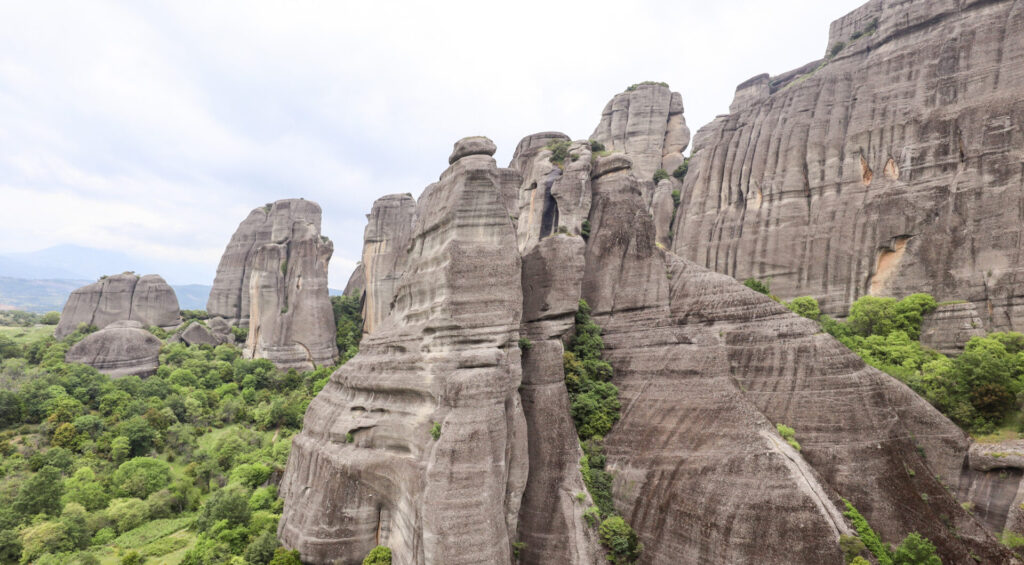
153	128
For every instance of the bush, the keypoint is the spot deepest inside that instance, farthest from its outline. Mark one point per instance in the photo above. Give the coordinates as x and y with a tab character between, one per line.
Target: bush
127	513
660	175
435	431
525	344
596	146
241	334
620	539
559	151
681	170
836	48
50	318
758	286
805	306
867	535
284	557
230	503
380	555
140	477
251	475
789	435
916	550
633	87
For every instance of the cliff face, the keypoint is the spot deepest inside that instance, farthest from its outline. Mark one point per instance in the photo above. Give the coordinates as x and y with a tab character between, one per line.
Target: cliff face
291	321
706	368
419	442
892	167
387	235
147	299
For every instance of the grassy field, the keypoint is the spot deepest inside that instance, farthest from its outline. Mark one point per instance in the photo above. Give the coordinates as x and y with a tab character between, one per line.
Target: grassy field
22	334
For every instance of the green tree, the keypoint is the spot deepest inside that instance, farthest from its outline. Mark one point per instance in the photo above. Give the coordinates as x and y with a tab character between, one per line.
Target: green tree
50	318
916	550
41	493
74	518
141	436
10	408
284	557
230	503
261	550
120	449
127	513
44	537
132	558
380	555
758	286
620	539
250	475
805	306
10	546
140	477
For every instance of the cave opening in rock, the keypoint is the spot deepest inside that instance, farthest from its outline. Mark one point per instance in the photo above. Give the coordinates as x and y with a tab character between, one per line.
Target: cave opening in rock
549	217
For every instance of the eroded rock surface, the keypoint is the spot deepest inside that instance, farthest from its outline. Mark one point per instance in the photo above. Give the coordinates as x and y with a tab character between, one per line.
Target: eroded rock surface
949	328
891	168
122	348
385	243
147	299
366	470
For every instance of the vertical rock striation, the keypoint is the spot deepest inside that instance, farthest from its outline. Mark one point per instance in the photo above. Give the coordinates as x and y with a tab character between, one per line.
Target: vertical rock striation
147	299
892	166
366	470
385	242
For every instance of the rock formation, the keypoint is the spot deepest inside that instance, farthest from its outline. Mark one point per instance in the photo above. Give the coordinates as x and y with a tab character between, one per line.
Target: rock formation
387	235
890	167
121	348
419	442
272	279
949	328
147	299
196	334
706	368
356	281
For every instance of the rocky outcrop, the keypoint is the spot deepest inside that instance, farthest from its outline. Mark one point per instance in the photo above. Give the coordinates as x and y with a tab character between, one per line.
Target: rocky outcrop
147	299
385	243
647	123
197	334
356	281
229	297
122	348
291	321
419	442
890	167
949	328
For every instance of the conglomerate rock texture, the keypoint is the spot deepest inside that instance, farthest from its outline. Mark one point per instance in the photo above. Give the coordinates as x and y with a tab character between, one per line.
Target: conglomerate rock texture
122	348
894	166
147	299
272	279
419	442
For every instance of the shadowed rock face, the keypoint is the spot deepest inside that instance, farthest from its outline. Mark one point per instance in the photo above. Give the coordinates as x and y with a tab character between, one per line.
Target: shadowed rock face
365	470
893	168
122	348
291	321
147	299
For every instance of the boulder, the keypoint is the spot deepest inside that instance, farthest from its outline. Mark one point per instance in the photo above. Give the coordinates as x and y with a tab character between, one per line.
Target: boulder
122	348
197	334
147	299
890	167
472	146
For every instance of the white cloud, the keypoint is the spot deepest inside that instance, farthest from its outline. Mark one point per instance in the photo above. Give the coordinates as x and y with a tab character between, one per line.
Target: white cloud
154	127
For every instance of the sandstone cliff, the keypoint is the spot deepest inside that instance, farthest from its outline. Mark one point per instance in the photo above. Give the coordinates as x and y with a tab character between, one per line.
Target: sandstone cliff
419	442
147	299
706	368
892	166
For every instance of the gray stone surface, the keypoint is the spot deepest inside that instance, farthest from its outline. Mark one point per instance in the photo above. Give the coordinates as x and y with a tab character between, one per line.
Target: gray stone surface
196	334
147	299
467	146
229	297
356	282
385	245
122	348
949	328
291	321
648	124
893	168
365	469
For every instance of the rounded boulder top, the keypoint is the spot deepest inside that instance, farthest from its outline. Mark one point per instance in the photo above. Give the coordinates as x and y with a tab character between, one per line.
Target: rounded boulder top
478	145
612	163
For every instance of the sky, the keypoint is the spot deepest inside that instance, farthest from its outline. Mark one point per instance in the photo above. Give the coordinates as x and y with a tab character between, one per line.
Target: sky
153	128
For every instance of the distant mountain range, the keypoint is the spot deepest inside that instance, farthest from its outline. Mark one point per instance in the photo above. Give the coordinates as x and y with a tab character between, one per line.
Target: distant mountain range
41	281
